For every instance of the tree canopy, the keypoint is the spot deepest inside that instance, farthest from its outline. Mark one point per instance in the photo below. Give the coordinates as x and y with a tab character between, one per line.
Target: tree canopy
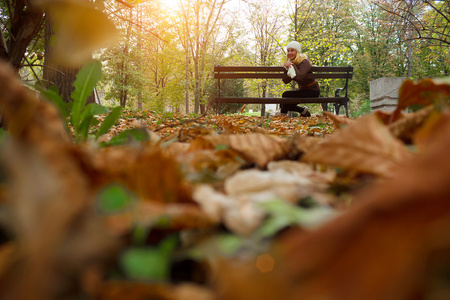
163	55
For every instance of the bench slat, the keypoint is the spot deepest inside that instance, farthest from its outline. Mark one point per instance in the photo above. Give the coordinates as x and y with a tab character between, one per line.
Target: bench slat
278	75
255	100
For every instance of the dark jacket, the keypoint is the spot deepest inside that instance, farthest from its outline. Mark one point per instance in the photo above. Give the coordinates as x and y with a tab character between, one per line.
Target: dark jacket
301	70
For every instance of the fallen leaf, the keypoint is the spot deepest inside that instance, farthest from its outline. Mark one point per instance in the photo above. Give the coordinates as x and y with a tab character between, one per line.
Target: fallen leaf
338	120
423	92
403	223
406	127
365	146
56	233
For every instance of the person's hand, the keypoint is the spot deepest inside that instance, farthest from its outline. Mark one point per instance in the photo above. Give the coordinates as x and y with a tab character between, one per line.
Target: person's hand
287	64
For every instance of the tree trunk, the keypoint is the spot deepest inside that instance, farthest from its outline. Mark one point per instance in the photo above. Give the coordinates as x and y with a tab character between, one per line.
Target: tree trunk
60	76
3	49
186	86
25	24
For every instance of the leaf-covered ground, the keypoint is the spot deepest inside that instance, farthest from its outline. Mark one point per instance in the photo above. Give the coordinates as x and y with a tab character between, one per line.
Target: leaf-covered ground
227	207
185	128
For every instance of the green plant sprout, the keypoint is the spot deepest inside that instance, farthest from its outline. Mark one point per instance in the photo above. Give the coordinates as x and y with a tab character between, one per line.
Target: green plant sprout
81	116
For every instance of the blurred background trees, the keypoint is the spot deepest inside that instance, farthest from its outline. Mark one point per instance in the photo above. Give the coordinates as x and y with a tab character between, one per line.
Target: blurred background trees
165	52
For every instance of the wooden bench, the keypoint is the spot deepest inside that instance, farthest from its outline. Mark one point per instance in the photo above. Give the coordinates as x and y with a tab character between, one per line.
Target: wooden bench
262	72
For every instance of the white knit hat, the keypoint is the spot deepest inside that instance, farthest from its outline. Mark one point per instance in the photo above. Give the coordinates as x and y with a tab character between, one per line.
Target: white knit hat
294	45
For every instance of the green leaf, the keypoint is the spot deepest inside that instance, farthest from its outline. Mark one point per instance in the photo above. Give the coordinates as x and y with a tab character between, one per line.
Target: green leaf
53	95
109	121
135	134
144	264
93	109
149	263
229	243
83	130
114	199
221	147
87	120
282	214
84	84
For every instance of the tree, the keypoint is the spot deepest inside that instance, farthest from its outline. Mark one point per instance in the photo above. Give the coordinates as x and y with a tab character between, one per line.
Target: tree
204	16
266	24
423	25
22	22
429	20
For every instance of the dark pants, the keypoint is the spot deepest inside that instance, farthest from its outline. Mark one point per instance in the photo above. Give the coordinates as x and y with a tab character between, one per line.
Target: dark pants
297	94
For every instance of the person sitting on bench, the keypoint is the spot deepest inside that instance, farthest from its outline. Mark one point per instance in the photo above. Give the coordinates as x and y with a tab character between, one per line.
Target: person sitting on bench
297	66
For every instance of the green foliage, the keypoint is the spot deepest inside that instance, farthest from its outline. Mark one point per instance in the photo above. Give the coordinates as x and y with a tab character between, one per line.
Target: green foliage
228	88
149	263
114	198
84	84
360	108
128	136
80	115
283	214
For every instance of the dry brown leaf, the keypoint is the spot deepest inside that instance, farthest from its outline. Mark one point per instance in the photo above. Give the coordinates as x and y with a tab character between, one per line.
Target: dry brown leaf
338	120
241	111
8	256
146	170
403	223
389	117
406	127
209	142
253	147
426	134
174	217
238	207
177	149
56	233
119	290
365	146
393	244
259	148
424	92
299	144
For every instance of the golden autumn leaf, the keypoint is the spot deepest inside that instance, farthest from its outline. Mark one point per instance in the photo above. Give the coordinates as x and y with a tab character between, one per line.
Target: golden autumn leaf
365	146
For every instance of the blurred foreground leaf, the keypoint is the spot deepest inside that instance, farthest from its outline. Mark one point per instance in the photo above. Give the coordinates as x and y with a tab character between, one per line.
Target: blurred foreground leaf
149	263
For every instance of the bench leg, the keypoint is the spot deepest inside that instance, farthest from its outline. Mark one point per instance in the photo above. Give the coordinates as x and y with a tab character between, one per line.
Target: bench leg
337	107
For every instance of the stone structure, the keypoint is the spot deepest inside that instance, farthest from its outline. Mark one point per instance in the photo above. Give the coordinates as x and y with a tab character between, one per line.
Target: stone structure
384	93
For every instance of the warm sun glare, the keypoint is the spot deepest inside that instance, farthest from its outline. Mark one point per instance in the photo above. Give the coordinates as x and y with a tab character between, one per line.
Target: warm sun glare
171	5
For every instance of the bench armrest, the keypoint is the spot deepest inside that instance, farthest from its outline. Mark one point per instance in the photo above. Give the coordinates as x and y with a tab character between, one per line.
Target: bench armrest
336	93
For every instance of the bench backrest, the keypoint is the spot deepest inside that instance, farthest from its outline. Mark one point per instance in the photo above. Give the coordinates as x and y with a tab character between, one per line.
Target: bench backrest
262	72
